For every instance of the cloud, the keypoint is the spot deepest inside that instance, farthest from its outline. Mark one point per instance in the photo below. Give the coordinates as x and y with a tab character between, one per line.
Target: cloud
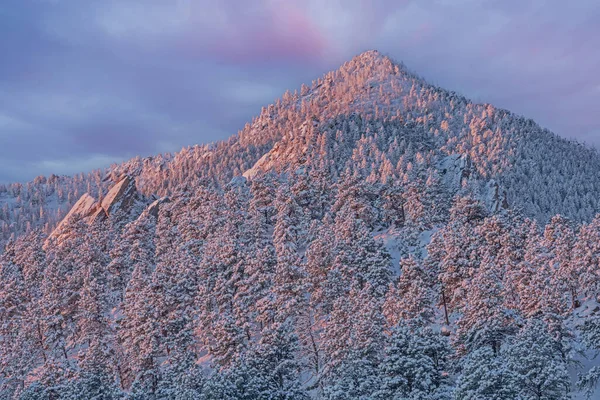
65	166
248	92
268	33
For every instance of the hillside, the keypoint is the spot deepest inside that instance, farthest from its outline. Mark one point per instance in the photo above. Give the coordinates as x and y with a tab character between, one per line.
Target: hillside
370	236
541	173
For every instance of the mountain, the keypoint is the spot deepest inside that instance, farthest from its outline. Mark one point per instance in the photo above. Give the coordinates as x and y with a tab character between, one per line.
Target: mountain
370	236
540	172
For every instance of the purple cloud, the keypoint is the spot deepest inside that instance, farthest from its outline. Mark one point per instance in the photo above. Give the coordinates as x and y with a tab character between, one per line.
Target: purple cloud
85	83
275	33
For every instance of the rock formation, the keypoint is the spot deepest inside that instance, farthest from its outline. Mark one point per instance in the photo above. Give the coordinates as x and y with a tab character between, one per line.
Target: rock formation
120	198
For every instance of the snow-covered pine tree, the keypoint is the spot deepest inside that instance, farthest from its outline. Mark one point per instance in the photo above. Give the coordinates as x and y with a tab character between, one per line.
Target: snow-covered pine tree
412	298
415	364
486	375
536	363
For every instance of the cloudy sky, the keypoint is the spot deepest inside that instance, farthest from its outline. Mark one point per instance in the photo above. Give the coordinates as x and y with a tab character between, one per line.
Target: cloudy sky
85	83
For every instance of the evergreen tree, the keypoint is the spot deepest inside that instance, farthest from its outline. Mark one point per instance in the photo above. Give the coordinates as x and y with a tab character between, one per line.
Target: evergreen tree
535	361
411	299
289	275
354	357
19	352
559	237
95	337
174	288
485	320
361	260
415	365
485	375
586	255
138	331
453	251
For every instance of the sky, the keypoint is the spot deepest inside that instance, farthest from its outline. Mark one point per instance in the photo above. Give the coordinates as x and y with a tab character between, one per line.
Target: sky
85	83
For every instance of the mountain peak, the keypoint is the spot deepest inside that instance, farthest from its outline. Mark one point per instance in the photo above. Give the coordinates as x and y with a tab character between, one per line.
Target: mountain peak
372	57
379	66
370	54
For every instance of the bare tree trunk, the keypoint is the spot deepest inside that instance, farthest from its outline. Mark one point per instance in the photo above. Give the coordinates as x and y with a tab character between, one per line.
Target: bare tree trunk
445	307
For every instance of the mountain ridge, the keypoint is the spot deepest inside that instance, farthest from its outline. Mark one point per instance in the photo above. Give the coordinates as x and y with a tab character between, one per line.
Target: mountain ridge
371	236
370	85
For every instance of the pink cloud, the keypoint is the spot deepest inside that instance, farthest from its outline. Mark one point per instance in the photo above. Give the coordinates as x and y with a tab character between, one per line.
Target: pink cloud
276	32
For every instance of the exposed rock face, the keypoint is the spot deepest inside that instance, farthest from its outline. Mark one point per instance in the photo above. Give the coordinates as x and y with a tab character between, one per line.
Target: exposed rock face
497	199
154	208
455	170
85	207
121	197
98	215
283	153
261	165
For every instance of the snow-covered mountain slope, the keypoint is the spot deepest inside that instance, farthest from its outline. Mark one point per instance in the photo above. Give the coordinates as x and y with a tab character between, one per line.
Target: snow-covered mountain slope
539	171
372	236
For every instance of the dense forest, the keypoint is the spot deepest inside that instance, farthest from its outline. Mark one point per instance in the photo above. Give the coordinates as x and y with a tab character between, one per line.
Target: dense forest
368	237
